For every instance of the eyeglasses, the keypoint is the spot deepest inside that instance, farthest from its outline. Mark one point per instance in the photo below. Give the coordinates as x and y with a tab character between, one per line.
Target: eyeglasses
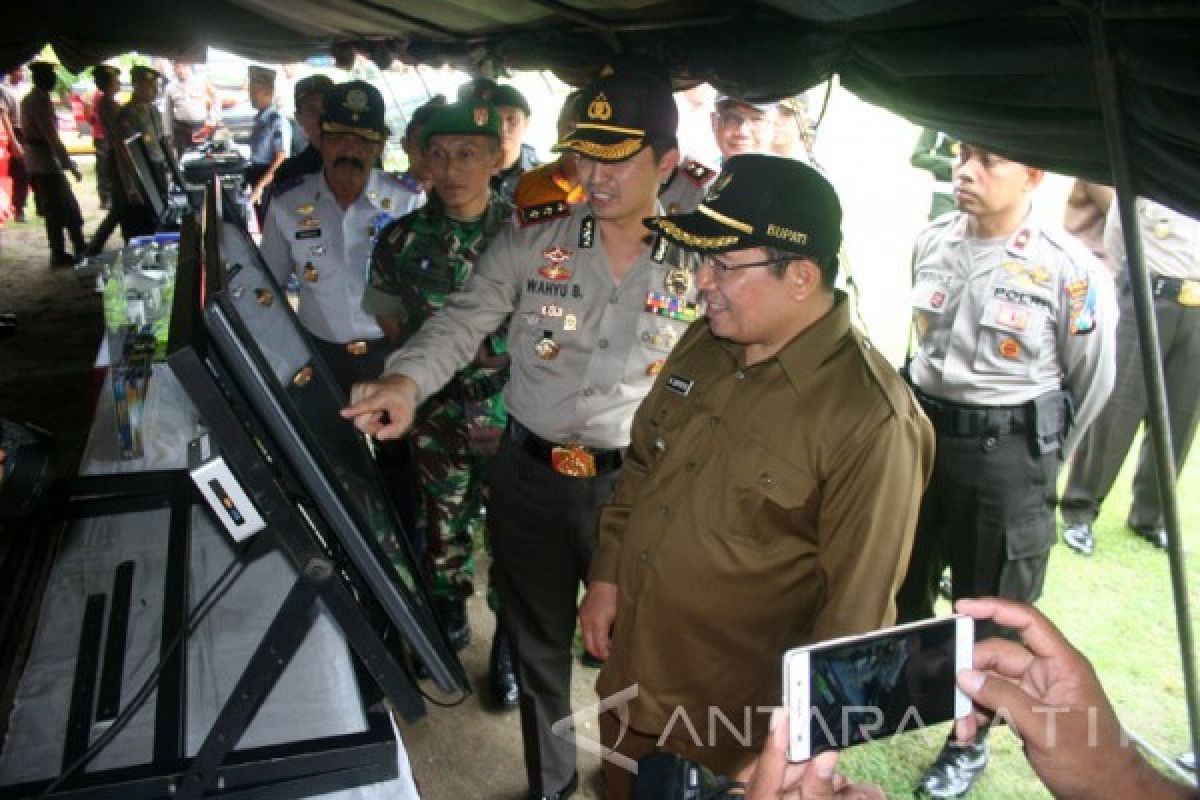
721	269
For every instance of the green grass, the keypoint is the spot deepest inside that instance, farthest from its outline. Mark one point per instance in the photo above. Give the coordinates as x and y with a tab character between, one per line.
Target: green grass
1117	608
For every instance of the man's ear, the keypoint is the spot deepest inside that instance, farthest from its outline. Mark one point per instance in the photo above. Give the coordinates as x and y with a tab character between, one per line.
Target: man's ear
1035	177
803	278
667	164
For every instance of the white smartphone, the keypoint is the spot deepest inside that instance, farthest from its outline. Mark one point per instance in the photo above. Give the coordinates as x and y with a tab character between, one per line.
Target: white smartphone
861	688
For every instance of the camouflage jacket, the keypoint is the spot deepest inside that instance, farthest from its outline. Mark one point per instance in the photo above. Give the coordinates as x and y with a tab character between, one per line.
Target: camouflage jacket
423	257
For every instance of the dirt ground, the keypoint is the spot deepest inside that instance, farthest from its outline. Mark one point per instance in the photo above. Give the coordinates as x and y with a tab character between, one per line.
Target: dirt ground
47	379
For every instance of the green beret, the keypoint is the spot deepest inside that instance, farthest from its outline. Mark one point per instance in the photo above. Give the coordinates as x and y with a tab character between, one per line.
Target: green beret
488	91
466	117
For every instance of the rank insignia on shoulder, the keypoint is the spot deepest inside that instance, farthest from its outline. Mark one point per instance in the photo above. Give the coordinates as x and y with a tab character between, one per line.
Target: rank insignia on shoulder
697	172
587	232
543	212
680	385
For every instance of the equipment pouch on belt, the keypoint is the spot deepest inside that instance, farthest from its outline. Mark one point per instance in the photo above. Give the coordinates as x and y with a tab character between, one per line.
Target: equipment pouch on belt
1053	413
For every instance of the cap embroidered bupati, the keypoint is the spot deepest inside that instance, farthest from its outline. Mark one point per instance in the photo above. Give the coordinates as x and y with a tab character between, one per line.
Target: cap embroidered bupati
761	201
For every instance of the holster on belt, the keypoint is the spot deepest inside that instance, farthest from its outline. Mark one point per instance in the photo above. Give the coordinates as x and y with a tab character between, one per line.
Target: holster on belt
1052	416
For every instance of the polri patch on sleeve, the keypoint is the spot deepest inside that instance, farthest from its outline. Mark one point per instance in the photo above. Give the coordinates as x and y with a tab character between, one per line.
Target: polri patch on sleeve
680	384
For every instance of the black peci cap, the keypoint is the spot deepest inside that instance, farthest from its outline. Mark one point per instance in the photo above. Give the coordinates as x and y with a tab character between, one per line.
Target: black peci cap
761	201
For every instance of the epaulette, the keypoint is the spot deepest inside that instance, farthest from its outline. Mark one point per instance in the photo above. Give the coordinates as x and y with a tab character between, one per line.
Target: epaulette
287	184
543	212
697	172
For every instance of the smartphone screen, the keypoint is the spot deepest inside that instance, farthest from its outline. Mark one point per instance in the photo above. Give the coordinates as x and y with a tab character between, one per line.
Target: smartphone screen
875	686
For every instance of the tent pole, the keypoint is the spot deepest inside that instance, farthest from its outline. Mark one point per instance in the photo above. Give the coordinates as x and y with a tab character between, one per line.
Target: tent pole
1118	154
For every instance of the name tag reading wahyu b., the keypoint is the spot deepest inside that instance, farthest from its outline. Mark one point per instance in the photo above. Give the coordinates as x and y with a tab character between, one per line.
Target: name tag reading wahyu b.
680	384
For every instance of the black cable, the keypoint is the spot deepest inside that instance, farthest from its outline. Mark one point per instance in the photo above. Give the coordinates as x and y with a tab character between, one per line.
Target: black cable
206	603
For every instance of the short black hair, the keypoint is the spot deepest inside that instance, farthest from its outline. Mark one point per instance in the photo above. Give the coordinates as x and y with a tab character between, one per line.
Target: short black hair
661	145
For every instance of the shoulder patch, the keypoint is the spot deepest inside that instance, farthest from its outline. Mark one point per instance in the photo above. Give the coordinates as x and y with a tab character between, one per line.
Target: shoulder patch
697	172
535	214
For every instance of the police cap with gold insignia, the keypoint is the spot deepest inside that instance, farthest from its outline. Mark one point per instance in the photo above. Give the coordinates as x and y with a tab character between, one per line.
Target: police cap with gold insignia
141	72
621	111
498	94
355	107
260	76
466	117
761	201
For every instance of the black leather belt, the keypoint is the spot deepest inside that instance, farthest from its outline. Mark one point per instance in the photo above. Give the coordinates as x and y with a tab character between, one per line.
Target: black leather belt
1185	292
543	450
954	419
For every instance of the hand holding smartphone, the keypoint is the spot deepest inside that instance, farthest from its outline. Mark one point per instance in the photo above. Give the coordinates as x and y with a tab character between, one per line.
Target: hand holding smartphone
858	689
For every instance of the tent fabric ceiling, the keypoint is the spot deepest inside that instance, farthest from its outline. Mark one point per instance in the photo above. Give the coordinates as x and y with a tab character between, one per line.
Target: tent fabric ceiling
1015	75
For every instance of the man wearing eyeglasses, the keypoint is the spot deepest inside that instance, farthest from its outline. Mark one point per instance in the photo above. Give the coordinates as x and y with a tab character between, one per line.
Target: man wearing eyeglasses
770	492
740	126
596	307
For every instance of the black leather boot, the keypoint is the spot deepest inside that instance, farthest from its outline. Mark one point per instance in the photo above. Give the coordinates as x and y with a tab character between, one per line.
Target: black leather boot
453	613
502	680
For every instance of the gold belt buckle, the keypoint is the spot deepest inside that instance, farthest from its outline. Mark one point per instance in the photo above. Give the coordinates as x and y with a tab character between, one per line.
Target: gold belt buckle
356	348
1189	293
573	461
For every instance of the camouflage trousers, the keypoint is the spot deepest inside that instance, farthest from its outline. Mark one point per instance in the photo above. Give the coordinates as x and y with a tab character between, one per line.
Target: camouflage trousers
450	487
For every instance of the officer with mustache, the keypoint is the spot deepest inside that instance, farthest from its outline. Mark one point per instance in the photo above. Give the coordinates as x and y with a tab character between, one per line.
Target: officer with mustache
322	226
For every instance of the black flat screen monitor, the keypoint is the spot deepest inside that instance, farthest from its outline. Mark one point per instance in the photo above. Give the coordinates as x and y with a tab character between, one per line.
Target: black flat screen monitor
147	179
254	346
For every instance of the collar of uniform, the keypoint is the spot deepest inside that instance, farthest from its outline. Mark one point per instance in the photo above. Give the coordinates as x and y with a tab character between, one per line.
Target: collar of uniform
811	348
1019	244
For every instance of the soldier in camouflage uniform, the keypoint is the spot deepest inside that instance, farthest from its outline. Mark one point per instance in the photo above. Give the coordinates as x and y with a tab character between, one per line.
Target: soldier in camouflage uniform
418	261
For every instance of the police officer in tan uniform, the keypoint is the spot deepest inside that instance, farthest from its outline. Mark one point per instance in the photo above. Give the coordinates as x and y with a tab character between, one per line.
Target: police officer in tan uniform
772	483
1015	357
596	307
1171	242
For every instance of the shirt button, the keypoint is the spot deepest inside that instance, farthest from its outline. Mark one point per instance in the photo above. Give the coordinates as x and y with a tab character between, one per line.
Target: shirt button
690	466
643	556
741	376
664	510
660	444
766	480
603	343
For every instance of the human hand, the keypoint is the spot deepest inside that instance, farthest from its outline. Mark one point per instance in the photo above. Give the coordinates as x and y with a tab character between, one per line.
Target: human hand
772	777
596	615
395	395
1049	694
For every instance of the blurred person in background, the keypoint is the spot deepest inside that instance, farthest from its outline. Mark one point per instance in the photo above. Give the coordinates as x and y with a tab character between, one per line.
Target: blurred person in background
309	98
190	102
10	99
418	173
740	126
935	152
46	159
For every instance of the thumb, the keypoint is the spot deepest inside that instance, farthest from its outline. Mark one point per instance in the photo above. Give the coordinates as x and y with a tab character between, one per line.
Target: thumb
818	779
1002	697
